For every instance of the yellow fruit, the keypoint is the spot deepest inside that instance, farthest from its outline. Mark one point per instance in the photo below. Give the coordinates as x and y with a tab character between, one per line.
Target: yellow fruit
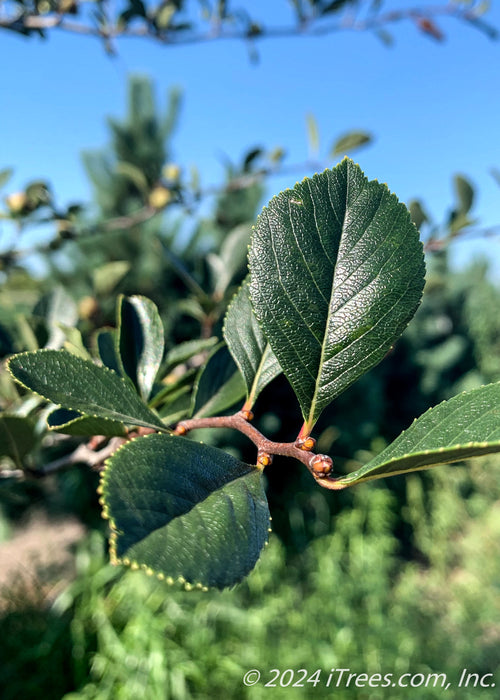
159	197
16	202
172	172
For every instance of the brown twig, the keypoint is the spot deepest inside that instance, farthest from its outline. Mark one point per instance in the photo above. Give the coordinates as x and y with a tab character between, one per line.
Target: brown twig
84	453
319	465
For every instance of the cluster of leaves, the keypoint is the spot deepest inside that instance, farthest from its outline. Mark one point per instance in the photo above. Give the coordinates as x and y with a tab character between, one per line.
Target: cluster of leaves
336	273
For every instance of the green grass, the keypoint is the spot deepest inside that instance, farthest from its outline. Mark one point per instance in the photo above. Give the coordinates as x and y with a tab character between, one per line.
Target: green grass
348	601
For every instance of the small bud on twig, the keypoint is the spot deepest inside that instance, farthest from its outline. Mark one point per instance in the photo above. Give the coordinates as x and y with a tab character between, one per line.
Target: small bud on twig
321	466
307	444
264	459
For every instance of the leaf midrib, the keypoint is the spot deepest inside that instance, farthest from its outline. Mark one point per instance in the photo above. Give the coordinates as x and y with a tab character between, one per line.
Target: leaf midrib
311	417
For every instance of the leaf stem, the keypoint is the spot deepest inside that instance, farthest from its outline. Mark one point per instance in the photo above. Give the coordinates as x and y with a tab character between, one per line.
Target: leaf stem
319	465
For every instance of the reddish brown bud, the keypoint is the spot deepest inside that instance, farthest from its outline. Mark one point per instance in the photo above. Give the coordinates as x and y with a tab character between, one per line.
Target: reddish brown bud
429	27
180	429
307	444
321	465
247	414
264	459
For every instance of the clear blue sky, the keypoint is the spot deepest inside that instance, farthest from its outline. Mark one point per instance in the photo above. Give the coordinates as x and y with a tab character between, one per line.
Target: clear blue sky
433	107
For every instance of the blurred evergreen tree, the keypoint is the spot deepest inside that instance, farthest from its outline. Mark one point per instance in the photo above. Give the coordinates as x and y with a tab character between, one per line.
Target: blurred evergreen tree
171	258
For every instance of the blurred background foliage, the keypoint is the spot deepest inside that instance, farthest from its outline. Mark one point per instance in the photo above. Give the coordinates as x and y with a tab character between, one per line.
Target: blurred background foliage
402	576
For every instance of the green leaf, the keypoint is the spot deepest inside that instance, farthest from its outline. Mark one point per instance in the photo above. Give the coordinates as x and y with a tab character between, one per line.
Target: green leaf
17	437
58	309
5	175
465	194
337	272
219	387
468	425
177	406
74	342
184	351
185	511
312	134
106	347
73	423
140	340
171	385
134	174
350	141
248	345
418	214
232	258
164	14
81	386
106	277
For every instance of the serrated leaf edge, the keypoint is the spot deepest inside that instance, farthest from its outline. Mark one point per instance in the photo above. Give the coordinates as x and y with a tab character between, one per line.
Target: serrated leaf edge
387	191
343	481
125	381
57	428
114	534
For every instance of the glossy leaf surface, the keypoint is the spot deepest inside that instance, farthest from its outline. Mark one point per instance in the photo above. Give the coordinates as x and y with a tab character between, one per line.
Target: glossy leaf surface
140	341
337	272
248	345
81	386
106	347
185	511
219	386
468	425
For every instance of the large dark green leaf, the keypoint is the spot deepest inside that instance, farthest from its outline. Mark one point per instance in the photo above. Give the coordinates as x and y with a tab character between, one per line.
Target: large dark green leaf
82	386
140	341
468	425
185	511
337	272
248	345
219	386
17	437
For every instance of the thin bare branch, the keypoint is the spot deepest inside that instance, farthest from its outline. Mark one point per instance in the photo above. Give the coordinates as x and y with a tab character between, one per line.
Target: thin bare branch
313	26
83	454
